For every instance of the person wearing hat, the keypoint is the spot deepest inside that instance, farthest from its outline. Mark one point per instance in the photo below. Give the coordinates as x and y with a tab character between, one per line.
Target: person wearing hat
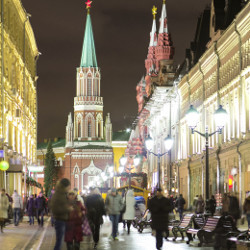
114	205
4	204
159	206
61	208
73	231
95	211
17	206
40	204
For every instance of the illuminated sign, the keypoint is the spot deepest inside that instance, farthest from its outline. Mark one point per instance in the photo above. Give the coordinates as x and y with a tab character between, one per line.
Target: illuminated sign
35	169
1	153
230	181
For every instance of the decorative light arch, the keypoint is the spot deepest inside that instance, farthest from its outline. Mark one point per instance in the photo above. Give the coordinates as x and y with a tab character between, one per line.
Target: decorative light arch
91	170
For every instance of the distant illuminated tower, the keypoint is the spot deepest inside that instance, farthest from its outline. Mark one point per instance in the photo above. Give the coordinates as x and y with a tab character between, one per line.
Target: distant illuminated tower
88	104
88	148
151	60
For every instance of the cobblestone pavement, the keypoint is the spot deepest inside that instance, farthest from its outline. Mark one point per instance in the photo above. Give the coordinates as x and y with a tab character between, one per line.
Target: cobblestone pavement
26	237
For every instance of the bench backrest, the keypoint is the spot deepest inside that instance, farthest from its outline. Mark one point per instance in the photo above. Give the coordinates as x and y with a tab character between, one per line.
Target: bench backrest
186	220
199	220
228	223
211	223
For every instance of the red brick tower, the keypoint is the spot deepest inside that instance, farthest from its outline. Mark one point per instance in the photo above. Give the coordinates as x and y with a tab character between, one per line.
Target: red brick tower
88	148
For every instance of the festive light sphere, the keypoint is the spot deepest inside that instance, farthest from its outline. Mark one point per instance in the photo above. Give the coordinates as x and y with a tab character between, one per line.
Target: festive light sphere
4	165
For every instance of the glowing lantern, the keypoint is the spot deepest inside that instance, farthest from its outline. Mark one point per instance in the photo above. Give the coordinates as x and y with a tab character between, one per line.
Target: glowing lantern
230	181
4	165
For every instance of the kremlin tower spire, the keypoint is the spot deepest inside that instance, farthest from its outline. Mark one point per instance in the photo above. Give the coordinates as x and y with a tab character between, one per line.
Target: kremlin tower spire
164	49
88	149
151	60
88	103
88	50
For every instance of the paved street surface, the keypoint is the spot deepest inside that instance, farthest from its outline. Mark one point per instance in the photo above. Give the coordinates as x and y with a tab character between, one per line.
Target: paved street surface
26	237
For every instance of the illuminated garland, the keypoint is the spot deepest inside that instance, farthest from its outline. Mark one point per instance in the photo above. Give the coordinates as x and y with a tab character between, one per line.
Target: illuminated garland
143	175
31	182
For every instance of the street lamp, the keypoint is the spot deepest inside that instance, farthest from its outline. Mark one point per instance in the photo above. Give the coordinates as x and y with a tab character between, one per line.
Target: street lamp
123	162
168	142
192	117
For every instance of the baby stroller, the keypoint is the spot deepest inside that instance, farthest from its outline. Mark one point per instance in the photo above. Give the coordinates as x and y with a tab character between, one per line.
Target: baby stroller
145	221
139	210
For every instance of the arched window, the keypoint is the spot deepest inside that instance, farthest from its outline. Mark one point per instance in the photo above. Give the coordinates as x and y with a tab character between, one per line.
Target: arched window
89	127
76	184
96	87
79	129
99	129
89	87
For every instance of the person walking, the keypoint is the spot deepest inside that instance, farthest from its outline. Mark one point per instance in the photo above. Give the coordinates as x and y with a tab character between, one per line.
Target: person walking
4	204
225	204
212	205
129	214
95	210
194	202
159	206
246	209
234	208
114	205
17	206
180	205
31	209
40	204
61	208
78	196
49	207
199	206
73	232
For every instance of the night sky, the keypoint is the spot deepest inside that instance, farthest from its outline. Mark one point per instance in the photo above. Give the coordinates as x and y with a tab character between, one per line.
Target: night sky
121	32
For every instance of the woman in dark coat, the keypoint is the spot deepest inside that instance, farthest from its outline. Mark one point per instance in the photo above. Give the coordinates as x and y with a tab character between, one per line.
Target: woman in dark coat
73	232
95	211
159	206
31	209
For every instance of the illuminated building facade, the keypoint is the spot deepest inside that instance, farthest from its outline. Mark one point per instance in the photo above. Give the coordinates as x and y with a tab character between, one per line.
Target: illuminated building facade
217	76
18	109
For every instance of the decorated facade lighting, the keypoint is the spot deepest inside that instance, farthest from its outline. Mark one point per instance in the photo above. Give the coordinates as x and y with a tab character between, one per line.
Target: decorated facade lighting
149	143
123	160
192	118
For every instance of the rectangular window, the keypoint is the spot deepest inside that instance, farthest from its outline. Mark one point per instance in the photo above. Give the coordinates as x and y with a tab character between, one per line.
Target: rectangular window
89	87
89	129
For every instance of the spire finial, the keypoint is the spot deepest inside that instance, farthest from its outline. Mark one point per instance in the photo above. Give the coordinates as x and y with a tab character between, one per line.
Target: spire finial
154	11
88	5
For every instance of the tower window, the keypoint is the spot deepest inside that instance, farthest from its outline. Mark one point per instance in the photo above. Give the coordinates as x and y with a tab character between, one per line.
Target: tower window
96	88
89	128
89	87
79	129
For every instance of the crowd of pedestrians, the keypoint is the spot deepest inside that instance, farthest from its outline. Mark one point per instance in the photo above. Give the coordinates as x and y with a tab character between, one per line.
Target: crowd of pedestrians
74	216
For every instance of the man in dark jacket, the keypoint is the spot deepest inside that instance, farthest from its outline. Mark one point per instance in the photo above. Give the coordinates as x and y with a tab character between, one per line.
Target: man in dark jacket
180	205
40	204
95	211
60	208
159	206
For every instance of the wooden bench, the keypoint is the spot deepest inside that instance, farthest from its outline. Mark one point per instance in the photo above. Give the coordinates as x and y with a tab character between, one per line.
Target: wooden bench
241	237
199	221
144	221
182	226
206	232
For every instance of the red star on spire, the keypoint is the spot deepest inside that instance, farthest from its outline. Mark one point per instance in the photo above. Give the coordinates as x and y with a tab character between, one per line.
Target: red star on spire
88	4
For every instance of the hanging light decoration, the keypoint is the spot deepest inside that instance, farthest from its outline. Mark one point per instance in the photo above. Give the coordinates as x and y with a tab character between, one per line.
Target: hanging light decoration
4	165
